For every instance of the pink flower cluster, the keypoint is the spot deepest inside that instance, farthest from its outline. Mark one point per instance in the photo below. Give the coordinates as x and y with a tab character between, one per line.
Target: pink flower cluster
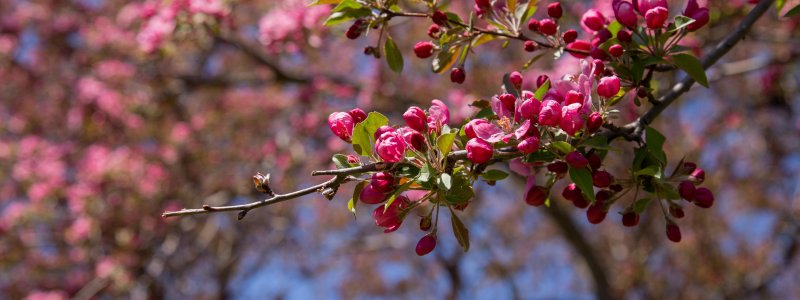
291	25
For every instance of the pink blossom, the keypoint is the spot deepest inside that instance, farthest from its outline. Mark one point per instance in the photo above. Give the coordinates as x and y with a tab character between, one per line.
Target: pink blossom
550	115
571	119
341	124
390	147
479	151
438	115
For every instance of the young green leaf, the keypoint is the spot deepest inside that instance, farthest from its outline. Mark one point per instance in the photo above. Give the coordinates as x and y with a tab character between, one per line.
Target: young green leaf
793	12
445	142
393	56
542	90
681	22
445	181
583	179
562	146
655	144
641	204
351	205
361	140
340	160
460	231
494	175
689	64
345	11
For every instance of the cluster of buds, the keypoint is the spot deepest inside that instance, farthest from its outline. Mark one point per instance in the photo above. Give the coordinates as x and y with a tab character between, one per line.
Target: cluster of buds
551	132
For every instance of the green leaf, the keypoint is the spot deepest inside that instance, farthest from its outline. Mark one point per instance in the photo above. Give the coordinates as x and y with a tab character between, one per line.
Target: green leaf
542	155
345	11
445	181
361	140
655	144
494	175
397	192
614	27
461	190
485	113
424	173
681	22
640	205
445	142
524	12
666	190
648	171
542	90
596	141
562	146
460	231
453	17
340	160
321	2
533	60
393	56
444	59
691	66
793	12
583	179
351	205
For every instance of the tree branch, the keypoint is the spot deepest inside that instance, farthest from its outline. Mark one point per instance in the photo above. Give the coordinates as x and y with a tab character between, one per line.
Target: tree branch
634	130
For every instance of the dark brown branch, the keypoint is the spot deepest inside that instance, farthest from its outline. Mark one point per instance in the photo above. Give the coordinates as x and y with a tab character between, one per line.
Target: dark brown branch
634	130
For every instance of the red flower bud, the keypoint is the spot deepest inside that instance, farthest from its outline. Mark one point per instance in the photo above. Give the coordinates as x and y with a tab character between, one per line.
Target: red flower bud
558	167
687	168
382	182
569	36
596	213
698	176
554	10
381	130
630	219
516	79
413	138
700	15
598	53
594	160
391	217
625	14
370	195
576	160
457	75
529	109
541	80
550	114
439	18
574	97
530	46
479	151
533	25
469	129
673	232
572	192
508	100
686	189
608	87
358	115
415	118
593	19
580	202
602	196
703	198
529	145
423	49
536	196
646	5
425	223
602	179
599	67
656	17
425	245
434	30
676	211
579	48
341	124
355	30
548	27
594	122
483	4
624	36
616	188
391	147
616	50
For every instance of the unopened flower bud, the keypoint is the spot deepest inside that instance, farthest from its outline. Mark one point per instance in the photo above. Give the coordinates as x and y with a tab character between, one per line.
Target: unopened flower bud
533	25
424	49
508	101
625	14
370	195
457	75
434	30
425	245
569	36
703	197
529	145
415	118
381	130
656	17
516	79
548	27
382	182
439	18
602	179
574	97
576	160
550	114
673	232
391	147
529	109
686	189
594	122
558	167
579	48
608	87
616	50
554	10
479	151
358	115
536	196
630	219
624	36
676	211
541	80
700	15
593	19
698	176
341	124
596	213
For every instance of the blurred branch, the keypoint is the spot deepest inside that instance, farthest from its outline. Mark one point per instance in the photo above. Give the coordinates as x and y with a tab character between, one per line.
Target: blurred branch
633	131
